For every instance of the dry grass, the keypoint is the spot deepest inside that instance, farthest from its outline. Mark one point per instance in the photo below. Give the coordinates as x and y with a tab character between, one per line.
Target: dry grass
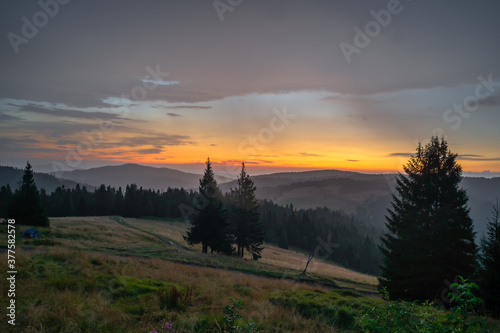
70	285
271	254
70	305
295	260
99	275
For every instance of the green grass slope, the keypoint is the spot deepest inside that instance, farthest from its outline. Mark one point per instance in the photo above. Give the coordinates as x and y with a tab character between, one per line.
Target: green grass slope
110	274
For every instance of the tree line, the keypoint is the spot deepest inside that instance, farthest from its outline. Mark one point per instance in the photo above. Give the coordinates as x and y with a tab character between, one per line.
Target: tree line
328	234
246	221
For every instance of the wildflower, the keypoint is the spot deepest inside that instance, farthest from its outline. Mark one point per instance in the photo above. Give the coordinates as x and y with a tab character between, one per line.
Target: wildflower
168	325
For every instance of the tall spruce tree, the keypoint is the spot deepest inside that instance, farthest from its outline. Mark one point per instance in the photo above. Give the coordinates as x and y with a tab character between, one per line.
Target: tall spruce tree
209	226
490	263
5	198
246	225
430	238
26	207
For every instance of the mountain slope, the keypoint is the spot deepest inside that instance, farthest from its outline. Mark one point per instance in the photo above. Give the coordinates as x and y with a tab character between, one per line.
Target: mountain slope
12	176
145	176
366	195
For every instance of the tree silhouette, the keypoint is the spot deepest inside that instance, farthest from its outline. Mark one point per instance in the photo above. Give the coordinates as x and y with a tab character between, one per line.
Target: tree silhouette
26	207
430	236
209	225
246	225
5	198
490	263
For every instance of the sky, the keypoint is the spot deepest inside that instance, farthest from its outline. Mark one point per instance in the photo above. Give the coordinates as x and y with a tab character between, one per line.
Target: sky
281	85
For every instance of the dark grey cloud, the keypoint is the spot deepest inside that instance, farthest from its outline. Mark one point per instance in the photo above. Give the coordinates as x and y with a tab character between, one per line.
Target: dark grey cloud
310	155
201	107
174	115
275	47
58	112
469	155
157	141
23	140
400	155
492	100
23	145
352	160
477	158
465	157
56	129
302	154
151	151
4	117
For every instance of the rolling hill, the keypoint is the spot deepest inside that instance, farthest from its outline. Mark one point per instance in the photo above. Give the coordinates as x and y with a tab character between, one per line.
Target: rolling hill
12	176
145	176
106	274
365	195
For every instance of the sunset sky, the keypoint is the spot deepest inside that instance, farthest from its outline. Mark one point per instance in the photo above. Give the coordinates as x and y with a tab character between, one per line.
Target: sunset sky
281	85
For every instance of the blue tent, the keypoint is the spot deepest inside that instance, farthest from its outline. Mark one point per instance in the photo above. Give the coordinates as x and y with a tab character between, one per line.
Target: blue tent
30	233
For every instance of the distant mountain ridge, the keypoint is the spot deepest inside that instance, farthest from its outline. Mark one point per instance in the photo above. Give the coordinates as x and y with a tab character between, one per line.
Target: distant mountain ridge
12	176
365	195
145	176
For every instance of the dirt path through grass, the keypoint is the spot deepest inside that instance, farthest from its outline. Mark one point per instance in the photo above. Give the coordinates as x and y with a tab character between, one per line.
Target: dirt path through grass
307	279
165	240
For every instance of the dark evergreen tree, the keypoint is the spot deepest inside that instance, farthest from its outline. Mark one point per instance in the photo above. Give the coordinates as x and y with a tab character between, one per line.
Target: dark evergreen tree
26	207
209	225
246	226
490	264
100	196
132	201
5	198
283	242
430	236
67	202
118	202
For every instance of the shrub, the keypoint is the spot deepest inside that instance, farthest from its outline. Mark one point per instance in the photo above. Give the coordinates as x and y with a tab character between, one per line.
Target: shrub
345	317
174	299
329	307
465	303
402	316
95	262
231	316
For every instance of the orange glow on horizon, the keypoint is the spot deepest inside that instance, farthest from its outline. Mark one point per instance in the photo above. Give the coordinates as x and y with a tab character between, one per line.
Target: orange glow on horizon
281	155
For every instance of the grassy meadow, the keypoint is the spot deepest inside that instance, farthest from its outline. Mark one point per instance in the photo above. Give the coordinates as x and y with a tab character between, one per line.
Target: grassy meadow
111	274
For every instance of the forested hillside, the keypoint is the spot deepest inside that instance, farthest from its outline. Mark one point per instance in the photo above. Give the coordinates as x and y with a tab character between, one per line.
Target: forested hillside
11	176
349	241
